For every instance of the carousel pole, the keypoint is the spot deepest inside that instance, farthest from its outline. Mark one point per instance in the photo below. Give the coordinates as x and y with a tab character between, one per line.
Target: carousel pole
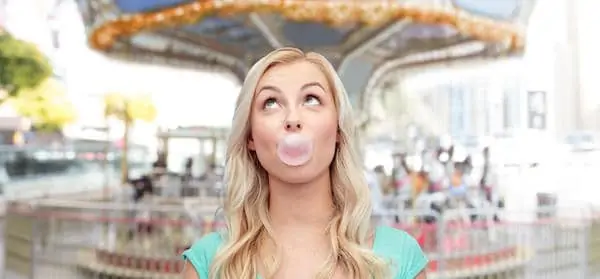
165	147
213	155
124	156
360	136
411	135
105	163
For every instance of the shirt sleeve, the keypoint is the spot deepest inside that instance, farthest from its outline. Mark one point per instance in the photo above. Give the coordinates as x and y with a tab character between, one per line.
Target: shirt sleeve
415	260
200	255
405	253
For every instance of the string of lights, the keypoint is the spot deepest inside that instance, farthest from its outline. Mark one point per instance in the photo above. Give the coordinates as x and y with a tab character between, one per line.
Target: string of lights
334	13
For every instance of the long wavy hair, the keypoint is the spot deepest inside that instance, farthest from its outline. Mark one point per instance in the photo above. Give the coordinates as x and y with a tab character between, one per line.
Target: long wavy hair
247	197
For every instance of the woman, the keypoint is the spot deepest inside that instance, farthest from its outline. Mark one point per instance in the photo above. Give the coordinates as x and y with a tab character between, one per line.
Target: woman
297	201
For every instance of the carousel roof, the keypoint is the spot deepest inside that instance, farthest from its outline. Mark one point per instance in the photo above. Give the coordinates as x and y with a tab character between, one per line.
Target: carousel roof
233	34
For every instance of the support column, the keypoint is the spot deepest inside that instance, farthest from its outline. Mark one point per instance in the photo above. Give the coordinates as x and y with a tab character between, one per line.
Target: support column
355	77
213	155
355	70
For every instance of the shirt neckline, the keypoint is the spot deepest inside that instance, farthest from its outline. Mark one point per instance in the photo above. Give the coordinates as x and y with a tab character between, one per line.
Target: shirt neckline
374	248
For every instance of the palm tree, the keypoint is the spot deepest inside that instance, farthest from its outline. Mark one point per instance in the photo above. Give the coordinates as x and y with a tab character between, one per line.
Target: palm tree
46	106
128	109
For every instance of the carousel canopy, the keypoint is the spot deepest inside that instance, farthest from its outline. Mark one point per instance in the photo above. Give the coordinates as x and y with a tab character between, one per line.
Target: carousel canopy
357	36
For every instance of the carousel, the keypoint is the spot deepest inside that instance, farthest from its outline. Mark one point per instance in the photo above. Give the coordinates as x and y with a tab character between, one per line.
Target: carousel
365	40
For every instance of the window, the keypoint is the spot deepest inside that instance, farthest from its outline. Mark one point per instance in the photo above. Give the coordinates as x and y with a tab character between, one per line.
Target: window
507	111
457	110
55	39
511	104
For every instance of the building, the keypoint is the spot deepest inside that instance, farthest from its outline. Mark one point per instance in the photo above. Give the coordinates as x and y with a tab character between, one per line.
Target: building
579	52
549	90
478	97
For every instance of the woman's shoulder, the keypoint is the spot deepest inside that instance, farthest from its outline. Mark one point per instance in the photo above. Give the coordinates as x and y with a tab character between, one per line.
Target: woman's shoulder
202	252
403	250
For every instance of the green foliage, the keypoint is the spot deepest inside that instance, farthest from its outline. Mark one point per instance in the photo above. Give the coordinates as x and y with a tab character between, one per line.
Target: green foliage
22	65
46	105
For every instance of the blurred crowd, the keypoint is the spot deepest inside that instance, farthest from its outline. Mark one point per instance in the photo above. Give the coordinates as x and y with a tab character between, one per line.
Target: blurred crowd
435	180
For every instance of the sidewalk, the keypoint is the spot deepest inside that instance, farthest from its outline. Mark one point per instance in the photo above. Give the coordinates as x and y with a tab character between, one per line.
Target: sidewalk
91	194
85	195
58	185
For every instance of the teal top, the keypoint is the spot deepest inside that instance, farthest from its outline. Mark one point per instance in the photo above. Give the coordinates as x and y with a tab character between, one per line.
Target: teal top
394	245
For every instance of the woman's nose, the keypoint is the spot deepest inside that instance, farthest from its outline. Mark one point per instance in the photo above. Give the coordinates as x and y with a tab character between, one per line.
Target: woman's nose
293	126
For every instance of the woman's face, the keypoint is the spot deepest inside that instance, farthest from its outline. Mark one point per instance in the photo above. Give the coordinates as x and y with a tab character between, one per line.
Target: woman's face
294	98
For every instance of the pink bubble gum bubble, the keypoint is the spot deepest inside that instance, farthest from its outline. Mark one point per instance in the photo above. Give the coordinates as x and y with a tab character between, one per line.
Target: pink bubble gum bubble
294	150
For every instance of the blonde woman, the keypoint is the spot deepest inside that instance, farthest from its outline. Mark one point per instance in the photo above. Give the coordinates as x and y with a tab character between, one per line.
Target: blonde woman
297	203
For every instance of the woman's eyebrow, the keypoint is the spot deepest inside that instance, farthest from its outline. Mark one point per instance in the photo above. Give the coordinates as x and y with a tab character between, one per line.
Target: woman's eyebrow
269	88
276	89
314	83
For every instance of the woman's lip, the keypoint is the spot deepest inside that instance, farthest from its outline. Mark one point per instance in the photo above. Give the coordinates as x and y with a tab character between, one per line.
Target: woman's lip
295	151
295	161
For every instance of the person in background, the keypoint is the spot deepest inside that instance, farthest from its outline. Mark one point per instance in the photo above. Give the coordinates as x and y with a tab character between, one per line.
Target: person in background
489	183
187	176
161	162
458	181
383	180
420	182
379	212
400	178
488	177
143	189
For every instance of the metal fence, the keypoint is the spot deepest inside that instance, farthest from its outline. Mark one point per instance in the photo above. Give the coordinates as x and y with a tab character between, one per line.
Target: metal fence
28	172
75	239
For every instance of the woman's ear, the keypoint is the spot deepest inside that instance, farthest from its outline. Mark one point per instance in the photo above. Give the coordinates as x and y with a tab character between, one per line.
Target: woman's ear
251	143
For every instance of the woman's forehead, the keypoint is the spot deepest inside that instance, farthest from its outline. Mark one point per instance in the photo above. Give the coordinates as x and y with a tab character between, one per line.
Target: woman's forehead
294	76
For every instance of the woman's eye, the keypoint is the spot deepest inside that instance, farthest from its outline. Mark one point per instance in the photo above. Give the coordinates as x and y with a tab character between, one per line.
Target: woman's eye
270	103
312	100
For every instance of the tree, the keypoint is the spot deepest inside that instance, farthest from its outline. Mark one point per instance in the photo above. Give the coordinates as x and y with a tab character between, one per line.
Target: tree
46	106
128	109
22	66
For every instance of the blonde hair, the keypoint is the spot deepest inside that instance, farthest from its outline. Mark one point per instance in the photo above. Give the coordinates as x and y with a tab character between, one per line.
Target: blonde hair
247	198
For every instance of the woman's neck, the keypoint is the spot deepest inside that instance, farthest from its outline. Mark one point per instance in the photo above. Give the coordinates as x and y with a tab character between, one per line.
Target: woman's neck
301	205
